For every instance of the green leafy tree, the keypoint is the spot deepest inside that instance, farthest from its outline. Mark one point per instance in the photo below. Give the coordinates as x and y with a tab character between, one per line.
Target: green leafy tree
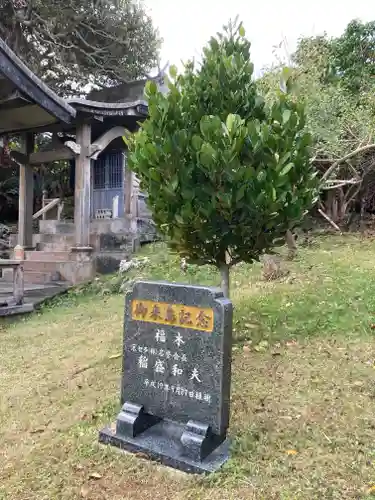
338	120
353	56
226	175
314	56
348	60
340	117
8	193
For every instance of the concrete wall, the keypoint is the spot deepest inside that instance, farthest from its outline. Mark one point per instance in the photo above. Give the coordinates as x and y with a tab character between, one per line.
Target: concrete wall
56	227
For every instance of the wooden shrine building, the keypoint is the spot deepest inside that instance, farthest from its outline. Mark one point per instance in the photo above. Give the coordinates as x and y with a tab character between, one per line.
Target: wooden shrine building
109	212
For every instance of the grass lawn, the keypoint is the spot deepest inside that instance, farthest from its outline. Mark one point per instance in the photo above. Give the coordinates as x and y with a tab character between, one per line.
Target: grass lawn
303	393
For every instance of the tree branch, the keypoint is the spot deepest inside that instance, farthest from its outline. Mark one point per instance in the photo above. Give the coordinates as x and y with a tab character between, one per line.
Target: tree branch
357	151
342	184
333	224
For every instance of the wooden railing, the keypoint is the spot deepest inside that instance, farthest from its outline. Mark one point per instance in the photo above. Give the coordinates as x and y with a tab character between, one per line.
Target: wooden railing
18	285
47	205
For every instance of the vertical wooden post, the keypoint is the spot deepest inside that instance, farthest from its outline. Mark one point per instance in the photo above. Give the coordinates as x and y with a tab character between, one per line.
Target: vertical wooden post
26	195
128	190
82	192
115	202
134	209
44	197
60	208
18	285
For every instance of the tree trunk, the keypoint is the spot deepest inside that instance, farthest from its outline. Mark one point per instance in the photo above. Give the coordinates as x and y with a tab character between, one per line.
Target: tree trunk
292	245
334	216
329	204
341	207
224	273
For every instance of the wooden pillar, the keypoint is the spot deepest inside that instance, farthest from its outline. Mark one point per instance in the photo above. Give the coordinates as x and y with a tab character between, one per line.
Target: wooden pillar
82	191
134	209
26	195
128	190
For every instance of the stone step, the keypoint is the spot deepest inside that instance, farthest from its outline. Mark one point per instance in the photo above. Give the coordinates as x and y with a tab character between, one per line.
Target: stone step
29	276
41	277
55	242
44	265
56	255
37	290
53	247
56	227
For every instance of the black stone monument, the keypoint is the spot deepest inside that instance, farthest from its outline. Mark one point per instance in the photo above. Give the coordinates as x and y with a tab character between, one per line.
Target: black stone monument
176	376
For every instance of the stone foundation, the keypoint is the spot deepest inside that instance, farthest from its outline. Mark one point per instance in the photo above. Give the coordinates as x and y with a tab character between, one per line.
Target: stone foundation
105	235
111	240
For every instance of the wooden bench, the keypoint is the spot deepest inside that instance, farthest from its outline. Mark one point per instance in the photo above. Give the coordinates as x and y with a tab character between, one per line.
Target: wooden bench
18	285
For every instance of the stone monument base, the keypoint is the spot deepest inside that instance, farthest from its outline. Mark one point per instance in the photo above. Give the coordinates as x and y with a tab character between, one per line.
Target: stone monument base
162	442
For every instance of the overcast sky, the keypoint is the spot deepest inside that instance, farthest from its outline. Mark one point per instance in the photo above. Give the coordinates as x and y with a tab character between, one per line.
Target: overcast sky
186	25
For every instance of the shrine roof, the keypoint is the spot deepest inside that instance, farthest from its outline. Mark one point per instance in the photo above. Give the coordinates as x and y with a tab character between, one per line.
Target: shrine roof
26	102
98	108
126	92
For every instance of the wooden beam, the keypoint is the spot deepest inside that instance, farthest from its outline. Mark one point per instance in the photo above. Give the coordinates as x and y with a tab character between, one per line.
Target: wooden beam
40	129
104	140
15	100
20	158
71	149
74	147
40	157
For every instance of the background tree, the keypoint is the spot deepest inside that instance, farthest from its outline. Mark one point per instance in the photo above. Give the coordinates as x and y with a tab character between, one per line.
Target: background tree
314	54
353	56
340	118
8	192
69	42
226	175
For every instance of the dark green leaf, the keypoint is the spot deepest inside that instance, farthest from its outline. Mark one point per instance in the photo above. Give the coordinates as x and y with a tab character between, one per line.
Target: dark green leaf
240	193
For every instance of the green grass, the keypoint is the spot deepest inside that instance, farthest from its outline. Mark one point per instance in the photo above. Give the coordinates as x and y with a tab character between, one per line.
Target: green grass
303	398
